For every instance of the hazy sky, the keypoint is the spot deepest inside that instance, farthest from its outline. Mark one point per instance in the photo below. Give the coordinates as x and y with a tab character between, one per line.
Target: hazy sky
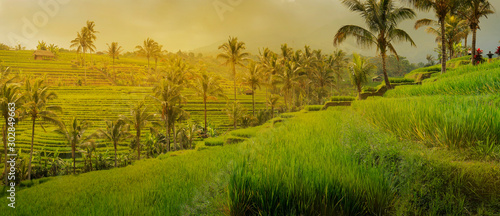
194	24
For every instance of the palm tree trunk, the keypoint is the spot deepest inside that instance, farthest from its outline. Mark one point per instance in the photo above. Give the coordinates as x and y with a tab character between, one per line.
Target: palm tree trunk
175	137
474	35
138	142
234	78
384	69
4	139
114	143
31	152
443	46
73	155
114	71
205	103
90	160
84	67
253	103
149	69
168	135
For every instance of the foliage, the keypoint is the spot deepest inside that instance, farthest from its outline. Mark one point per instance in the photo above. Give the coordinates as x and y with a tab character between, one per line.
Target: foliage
313	108
342	98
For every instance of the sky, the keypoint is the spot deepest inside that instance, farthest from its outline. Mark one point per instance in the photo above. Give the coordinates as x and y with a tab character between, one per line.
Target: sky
202	25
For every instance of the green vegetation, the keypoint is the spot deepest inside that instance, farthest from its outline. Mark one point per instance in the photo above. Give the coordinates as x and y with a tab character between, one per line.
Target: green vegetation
342	98
466	80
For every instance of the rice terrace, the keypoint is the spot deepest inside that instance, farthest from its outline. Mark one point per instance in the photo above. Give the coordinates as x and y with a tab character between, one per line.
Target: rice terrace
265	107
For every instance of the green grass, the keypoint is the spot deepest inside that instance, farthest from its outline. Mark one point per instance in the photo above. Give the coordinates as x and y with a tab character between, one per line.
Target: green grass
341	165
451	121
167	185
466	80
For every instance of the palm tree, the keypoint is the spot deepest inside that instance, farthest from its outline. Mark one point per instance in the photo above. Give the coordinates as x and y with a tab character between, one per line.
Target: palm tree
235	111
157	53
139	119
272	101
42	45
74	135
91	33
10	96
472	11
268	61
232	53
115	132
207	87
337	62
441	8
82	43
360	68
288	77
148	49
88	148
167	94
454	31
37	96
382	18
253	79
114	51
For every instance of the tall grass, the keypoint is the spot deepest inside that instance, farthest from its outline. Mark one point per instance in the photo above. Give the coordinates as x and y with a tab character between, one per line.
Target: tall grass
186	184
306	168
465	80
451	121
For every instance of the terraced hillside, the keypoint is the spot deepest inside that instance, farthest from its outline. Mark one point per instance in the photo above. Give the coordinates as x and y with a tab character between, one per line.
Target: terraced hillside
100	100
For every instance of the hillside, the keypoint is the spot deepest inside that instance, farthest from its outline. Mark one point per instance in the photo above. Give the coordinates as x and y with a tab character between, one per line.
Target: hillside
429	149
102	99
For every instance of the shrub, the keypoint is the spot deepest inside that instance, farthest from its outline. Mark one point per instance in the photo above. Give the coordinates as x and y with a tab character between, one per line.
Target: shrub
234	140
245	133
311	108
401	80
342	98
214	141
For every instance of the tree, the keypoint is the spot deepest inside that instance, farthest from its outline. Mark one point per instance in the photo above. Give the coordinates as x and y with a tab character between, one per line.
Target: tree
42	45
148	49
115	132
232	53
288	78
382	18
74	134
139	118
91	33
235	111
338	60
454	31
85	41
9	94
207	87
472	11
360	68
37	96
441	9
272	101
114	51
88	148
253	79
168	94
